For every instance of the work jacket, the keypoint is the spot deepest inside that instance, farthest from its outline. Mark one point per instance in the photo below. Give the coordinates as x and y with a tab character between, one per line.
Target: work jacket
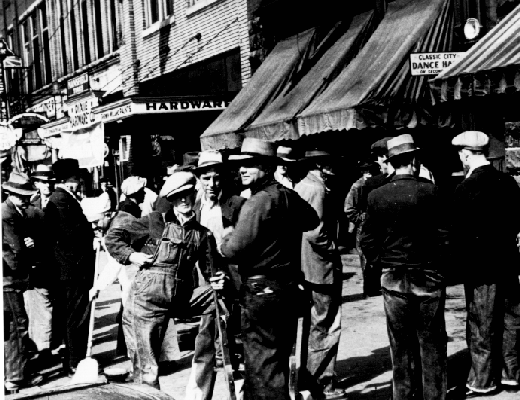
191	243
320	258
267	236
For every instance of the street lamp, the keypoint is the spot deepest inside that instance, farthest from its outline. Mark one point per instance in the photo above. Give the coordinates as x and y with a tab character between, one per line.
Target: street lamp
5	52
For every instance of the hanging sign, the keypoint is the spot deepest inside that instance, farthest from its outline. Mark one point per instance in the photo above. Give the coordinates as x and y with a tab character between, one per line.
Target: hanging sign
85	145
432	63
78	85
80	113
177	106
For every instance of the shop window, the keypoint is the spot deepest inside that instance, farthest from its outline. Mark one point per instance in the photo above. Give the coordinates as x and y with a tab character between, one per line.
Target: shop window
157	11
196	5
124	147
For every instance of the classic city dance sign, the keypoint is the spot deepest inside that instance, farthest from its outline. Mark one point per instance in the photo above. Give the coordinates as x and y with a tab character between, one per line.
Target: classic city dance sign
432	63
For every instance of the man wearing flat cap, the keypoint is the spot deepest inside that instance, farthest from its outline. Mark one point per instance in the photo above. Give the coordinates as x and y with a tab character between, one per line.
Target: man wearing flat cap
166	248
321	265
19	238
485	227
266	245
405	236
69	239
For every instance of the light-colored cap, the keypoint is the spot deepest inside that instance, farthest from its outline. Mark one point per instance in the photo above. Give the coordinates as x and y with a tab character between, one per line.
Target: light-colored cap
401	144
132	185
472	140
253	147
178	182
209	158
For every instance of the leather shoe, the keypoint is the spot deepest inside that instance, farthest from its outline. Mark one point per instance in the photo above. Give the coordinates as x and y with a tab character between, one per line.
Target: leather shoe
335	393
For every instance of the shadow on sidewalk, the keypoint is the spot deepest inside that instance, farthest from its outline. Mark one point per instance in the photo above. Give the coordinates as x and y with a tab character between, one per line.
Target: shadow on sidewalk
355	370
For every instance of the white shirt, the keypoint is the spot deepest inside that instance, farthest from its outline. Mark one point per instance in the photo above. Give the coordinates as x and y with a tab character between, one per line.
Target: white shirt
211	218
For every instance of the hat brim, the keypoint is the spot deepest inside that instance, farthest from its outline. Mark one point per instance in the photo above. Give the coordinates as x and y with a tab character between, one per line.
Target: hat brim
402	152
209	165
179	190
43	178
18	190
249	156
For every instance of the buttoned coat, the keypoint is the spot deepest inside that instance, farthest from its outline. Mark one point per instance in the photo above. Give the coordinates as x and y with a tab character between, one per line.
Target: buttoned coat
320	258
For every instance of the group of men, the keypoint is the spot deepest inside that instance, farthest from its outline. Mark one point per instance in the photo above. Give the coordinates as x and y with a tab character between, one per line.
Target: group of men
275	254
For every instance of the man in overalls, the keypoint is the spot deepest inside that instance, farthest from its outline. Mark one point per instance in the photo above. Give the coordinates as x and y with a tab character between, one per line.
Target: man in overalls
166	247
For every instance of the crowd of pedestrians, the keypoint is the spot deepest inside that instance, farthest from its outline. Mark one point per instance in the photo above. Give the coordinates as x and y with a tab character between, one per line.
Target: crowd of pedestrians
270	250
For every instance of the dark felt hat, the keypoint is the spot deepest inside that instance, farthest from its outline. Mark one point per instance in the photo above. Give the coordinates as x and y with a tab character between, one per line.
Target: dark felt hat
65	169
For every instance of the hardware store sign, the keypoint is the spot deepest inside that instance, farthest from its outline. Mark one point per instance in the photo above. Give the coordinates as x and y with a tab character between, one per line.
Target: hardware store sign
80	113
432	63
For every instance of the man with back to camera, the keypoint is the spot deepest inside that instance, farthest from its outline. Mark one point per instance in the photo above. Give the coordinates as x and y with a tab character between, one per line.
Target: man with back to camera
486	222
69	237
266	246
404	234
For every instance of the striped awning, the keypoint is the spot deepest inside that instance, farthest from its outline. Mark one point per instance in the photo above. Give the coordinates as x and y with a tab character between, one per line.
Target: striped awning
491	66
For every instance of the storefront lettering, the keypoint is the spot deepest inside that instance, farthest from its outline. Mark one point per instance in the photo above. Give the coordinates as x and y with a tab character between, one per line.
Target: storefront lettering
116	113
432	63
82	119
186	105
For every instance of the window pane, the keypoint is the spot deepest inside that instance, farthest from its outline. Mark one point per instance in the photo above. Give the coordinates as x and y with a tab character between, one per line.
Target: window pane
47	57
154	11
86	32
99	27
34	24
169	7
44	15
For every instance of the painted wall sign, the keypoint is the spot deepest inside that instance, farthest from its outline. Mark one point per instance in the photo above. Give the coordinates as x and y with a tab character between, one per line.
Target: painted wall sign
432	63
115	113
180	106
80	113
78	85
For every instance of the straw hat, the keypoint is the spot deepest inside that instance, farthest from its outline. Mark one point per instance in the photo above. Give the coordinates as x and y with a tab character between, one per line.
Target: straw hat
43	173
400	145
19	184
255	148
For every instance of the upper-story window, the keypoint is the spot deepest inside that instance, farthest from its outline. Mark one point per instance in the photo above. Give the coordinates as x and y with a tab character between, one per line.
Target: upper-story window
36	52
156	11
195	5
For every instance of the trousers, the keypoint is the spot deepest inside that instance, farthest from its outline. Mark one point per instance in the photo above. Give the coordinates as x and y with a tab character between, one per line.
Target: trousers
268	333
15	336
39	307
492	327
155	296
417	333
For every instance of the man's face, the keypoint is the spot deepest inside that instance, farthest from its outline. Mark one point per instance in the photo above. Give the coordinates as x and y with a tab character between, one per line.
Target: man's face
183	202
383	165
251	172
282	170
20	201
72	185
44	187
211	184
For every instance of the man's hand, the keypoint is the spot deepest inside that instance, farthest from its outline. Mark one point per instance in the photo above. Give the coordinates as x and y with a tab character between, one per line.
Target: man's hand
218	281
140	259
93	293
29	242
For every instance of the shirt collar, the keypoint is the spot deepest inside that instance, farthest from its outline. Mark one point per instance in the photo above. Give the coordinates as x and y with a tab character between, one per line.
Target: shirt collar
477	165
205	202
184	219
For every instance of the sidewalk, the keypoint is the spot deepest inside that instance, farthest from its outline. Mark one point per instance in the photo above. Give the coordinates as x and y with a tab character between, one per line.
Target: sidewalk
363	366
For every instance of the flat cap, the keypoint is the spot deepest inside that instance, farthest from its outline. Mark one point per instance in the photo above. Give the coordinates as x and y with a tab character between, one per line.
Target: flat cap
380	147
178	182
132	185
472	140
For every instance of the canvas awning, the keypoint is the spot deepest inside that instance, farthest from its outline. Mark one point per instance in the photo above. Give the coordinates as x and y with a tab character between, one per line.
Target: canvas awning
263	86
277	120
491	66
376	88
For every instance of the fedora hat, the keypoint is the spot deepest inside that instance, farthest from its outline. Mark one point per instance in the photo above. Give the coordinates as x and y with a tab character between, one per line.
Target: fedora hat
66	168
19	184
380	147
207	159
43	173
255	148
287	154
400	145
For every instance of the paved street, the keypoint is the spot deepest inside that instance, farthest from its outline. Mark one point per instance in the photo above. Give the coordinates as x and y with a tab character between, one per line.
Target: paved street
363	363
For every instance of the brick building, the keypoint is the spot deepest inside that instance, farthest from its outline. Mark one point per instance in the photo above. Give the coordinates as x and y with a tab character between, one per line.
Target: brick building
149	75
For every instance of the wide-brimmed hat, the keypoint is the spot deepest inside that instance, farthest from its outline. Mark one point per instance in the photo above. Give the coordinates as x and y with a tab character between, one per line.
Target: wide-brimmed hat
178	182
66	168
313	154
472	140
208	159
255	148
43	173
132	185
287	154
19	184
400	145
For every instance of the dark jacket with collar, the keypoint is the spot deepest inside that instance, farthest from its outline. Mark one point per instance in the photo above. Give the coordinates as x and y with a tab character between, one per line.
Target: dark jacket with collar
404	225
486	220
267	236
194	242
69	237
230	206
17	259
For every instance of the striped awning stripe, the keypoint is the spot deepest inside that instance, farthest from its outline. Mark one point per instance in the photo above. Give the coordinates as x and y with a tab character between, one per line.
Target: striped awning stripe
491	66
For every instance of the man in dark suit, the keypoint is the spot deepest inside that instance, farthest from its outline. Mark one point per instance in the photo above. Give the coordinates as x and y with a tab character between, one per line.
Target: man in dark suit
485	227
403	234
70	240
19	237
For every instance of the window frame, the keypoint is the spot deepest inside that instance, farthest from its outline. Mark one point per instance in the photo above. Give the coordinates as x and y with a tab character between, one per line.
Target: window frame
165	12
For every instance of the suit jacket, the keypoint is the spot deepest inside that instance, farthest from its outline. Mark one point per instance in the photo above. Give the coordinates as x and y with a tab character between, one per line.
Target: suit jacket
70	238
486	221
320	258
17	258
405	225
230	206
